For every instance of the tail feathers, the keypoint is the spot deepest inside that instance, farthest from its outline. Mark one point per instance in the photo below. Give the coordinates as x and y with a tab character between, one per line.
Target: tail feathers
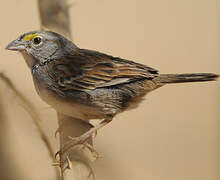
182	78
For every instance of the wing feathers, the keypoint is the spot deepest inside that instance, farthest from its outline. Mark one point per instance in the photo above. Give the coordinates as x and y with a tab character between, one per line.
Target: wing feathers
100	70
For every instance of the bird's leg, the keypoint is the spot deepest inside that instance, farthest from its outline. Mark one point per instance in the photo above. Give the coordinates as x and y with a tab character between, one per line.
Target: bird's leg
91	149
82	139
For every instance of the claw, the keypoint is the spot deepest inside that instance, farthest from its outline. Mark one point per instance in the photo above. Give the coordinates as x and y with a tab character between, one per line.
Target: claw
57	154
70	165
92	150
95	134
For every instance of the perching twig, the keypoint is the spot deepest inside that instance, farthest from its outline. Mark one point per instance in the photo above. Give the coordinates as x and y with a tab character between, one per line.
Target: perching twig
8	168
74	164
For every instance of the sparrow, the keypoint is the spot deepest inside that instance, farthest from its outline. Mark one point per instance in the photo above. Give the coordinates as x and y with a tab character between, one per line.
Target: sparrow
87	84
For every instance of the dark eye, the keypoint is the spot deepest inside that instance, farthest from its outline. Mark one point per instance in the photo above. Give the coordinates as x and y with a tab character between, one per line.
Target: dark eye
37	40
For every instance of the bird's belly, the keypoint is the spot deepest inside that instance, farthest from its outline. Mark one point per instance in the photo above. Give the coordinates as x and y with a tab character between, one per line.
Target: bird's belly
70	108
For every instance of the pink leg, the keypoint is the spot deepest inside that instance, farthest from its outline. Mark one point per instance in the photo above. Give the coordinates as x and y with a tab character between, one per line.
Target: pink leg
82	139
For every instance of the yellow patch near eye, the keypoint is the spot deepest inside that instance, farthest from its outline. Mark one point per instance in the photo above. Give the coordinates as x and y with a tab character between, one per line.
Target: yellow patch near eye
29	37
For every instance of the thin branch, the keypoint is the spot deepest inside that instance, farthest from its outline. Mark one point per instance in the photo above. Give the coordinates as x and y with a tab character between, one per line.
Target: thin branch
29	108
8	168
78	158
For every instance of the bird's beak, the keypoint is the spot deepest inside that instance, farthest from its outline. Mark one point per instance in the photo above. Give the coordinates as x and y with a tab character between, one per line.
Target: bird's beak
16	45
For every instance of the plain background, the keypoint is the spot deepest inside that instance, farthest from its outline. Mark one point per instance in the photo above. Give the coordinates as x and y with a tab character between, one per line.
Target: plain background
173	134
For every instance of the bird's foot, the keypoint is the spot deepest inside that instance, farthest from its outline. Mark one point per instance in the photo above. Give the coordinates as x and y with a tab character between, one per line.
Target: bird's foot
78	141
82	140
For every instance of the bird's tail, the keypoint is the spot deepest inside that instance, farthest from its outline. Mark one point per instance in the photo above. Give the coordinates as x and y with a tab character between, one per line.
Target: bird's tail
182	78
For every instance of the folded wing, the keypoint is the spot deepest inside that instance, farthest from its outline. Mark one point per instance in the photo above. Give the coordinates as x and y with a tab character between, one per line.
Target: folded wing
90	70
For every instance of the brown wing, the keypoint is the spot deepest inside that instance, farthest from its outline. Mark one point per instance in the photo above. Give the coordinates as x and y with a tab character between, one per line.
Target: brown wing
88	70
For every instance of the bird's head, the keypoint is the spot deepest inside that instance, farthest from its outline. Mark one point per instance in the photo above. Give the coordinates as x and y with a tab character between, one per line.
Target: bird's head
41	46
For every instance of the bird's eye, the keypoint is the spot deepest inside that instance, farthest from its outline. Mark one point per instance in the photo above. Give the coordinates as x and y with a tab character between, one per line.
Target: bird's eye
37	40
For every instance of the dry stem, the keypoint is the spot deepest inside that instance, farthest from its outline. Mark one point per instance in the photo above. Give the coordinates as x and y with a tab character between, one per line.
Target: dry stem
29	108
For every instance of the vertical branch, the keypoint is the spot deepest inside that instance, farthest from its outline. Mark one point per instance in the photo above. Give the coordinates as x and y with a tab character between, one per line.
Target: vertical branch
54	15
75	164
77	159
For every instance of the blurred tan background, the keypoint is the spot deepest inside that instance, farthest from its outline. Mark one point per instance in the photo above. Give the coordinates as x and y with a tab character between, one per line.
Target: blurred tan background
173	135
